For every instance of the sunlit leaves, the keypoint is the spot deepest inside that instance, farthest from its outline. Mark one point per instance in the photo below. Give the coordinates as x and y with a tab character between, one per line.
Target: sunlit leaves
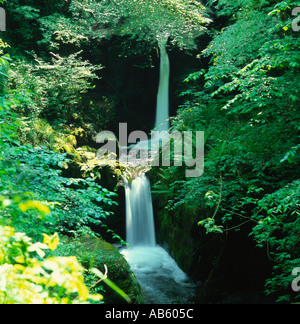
51	241
257	73
53	89
25	206
149	20
25	279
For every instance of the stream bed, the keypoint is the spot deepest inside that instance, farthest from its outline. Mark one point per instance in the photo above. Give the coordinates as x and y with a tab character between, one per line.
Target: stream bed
159	276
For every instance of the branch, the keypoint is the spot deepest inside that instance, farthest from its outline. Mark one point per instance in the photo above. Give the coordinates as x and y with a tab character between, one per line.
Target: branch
220	198
235	213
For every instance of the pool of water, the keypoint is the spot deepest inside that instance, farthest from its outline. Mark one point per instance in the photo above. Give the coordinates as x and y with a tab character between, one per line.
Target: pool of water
160	278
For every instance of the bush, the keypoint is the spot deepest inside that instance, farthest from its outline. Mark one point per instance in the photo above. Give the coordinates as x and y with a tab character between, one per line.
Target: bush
54	89
25	279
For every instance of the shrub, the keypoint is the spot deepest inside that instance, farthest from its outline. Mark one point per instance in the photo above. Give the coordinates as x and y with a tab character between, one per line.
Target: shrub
26	279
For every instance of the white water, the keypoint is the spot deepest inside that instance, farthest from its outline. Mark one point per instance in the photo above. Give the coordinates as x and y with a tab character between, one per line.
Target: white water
159	276
139	213
162	123
161	280
162	107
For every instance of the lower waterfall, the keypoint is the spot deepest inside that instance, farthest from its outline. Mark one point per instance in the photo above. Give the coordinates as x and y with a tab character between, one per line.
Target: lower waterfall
161	280
139	213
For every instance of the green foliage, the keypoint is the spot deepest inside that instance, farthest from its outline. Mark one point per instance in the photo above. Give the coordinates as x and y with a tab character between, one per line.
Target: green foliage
247	102
25	18
37	200
30	279
53	90
150	20
77	24
37	176
4	66
278	228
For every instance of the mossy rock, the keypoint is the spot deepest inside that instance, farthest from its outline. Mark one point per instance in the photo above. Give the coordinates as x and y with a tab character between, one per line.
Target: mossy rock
107	171
65	143
87	154
81	136
93	252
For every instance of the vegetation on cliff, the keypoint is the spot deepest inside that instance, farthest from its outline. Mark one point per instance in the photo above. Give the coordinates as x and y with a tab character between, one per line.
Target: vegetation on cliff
247	102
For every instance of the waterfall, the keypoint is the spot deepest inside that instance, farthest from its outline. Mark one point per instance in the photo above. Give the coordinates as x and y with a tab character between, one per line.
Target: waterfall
162	281
162	107
140	229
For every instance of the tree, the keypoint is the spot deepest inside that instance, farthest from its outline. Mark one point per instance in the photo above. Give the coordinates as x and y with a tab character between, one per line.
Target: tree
53	90
150	20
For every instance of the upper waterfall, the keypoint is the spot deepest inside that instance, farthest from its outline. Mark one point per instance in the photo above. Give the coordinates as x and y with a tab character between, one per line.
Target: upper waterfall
161	126
162	107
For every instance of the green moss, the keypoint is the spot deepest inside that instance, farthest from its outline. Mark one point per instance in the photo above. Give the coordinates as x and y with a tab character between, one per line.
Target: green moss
65	143
39	132
93	252
176	228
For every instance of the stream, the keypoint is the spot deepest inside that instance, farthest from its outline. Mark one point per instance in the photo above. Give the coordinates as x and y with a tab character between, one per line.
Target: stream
159	276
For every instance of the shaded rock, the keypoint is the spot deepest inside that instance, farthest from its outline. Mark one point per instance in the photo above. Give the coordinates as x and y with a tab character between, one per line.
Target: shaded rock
230	266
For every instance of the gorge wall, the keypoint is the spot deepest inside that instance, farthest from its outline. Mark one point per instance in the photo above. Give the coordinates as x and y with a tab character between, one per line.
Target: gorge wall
228	266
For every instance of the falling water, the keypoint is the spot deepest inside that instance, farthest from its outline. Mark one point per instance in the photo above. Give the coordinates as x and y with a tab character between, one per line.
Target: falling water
139	210
162	281
162	108
139	213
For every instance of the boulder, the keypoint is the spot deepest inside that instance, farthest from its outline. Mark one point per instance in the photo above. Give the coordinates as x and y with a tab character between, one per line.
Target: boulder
93	252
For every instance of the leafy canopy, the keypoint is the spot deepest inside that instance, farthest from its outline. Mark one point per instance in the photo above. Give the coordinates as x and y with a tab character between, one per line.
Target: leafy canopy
150	20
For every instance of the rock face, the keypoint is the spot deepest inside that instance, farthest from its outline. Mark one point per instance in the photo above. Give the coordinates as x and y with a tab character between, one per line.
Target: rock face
93	252
229	266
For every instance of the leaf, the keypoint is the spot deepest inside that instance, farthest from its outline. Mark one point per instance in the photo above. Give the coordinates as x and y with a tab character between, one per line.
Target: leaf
51	241
30	204
38	248
112	285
